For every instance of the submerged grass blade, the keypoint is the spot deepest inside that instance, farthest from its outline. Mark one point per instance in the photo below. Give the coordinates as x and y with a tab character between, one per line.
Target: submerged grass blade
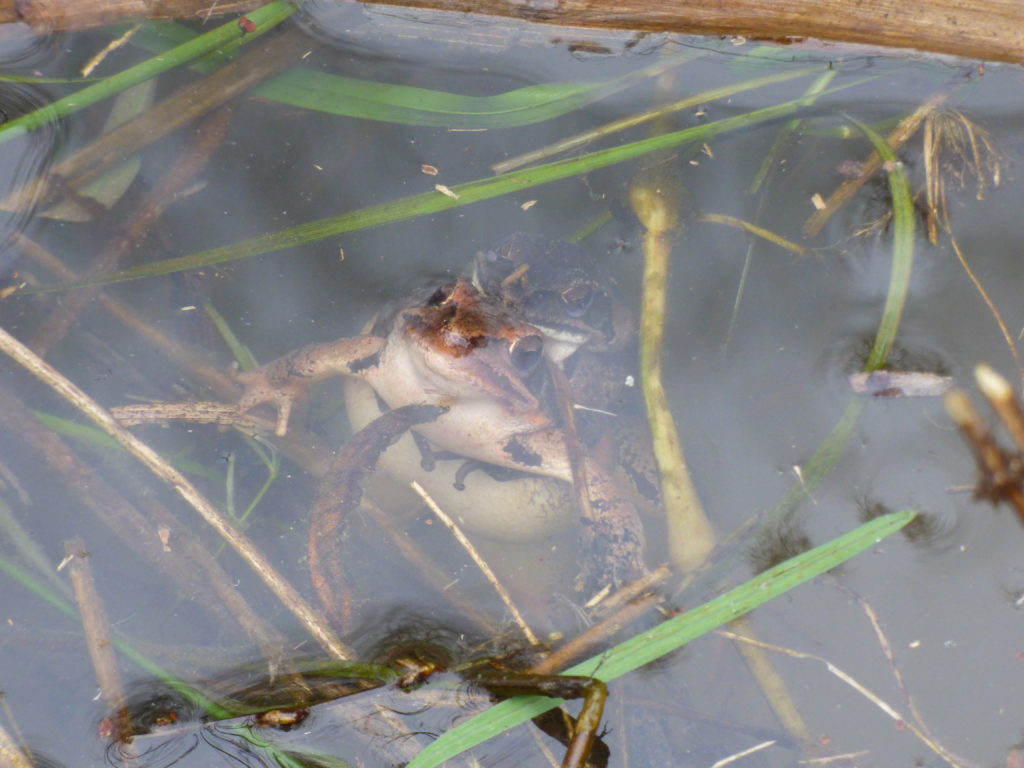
831	449
108	188
352	97
669	636
349	97
902	250
265	18
433	201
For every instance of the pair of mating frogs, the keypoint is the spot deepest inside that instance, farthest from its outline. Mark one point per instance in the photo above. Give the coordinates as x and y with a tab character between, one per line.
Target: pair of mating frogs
489	369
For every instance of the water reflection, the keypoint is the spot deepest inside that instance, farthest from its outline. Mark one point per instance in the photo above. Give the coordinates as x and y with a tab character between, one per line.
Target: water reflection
21	161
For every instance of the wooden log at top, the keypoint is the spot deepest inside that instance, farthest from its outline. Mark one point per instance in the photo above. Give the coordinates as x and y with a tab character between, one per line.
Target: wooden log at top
57	15
977	29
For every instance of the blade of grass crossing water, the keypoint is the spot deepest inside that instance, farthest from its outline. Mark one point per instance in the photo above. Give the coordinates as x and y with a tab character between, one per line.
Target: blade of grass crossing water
352	97
349	97
668	636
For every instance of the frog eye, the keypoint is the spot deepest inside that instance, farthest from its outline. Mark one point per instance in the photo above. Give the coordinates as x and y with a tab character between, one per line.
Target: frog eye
526	354
441	295
577	300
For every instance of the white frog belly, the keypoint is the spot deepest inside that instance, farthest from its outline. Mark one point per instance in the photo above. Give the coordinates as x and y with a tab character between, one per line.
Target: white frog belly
524	509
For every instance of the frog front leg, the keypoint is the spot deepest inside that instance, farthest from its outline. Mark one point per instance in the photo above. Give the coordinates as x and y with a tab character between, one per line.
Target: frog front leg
286	379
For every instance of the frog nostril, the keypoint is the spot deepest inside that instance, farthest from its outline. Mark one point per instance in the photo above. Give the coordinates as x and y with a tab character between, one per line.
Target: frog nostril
526	354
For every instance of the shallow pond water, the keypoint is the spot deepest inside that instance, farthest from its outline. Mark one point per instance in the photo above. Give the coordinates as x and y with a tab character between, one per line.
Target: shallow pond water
760	342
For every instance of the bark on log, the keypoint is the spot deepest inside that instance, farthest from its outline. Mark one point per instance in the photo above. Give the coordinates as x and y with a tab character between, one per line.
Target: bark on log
977	29
55	15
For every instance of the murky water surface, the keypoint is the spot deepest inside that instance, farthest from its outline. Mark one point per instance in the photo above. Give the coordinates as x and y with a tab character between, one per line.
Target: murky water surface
759	344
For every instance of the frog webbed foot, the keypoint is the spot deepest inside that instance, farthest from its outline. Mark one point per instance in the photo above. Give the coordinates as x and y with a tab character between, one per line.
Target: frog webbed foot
259	388
428	454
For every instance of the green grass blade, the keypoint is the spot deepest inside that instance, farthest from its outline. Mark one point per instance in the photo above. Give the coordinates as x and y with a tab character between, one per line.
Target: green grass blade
349	97
831	449
78	431
668	636
97	438
433	202
240	353
265	18
902	250
109	187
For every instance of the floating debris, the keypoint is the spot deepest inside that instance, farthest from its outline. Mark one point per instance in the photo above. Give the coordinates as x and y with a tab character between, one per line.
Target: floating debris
900	383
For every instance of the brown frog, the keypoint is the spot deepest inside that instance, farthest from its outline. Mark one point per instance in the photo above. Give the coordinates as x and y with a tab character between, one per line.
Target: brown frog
557	287
467	353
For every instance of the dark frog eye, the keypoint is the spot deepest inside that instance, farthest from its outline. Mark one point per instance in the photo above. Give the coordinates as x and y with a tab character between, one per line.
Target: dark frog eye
526	354
441	295
577	300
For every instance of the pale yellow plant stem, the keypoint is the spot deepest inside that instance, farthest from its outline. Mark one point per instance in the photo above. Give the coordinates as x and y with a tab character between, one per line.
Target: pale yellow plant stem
690	535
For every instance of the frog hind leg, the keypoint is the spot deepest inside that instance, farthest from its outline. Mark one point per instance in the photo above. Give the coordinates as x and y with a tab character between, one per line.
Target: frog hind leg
339	494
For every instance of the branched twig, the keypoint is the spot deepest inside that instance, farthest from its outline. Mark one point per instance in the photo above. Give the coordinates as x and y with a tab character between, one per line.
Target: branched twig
907	127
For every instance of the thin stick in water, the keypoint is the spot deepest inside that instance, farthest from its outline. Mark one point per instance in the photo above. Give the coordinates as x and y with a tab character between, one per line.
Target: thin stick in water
460	537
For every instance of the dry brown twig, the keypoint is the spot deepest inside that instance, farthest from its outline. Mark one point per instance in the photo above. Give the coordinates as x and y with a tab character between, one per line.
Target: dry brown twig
899	136
96	630
193	412
1000	471
599	633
